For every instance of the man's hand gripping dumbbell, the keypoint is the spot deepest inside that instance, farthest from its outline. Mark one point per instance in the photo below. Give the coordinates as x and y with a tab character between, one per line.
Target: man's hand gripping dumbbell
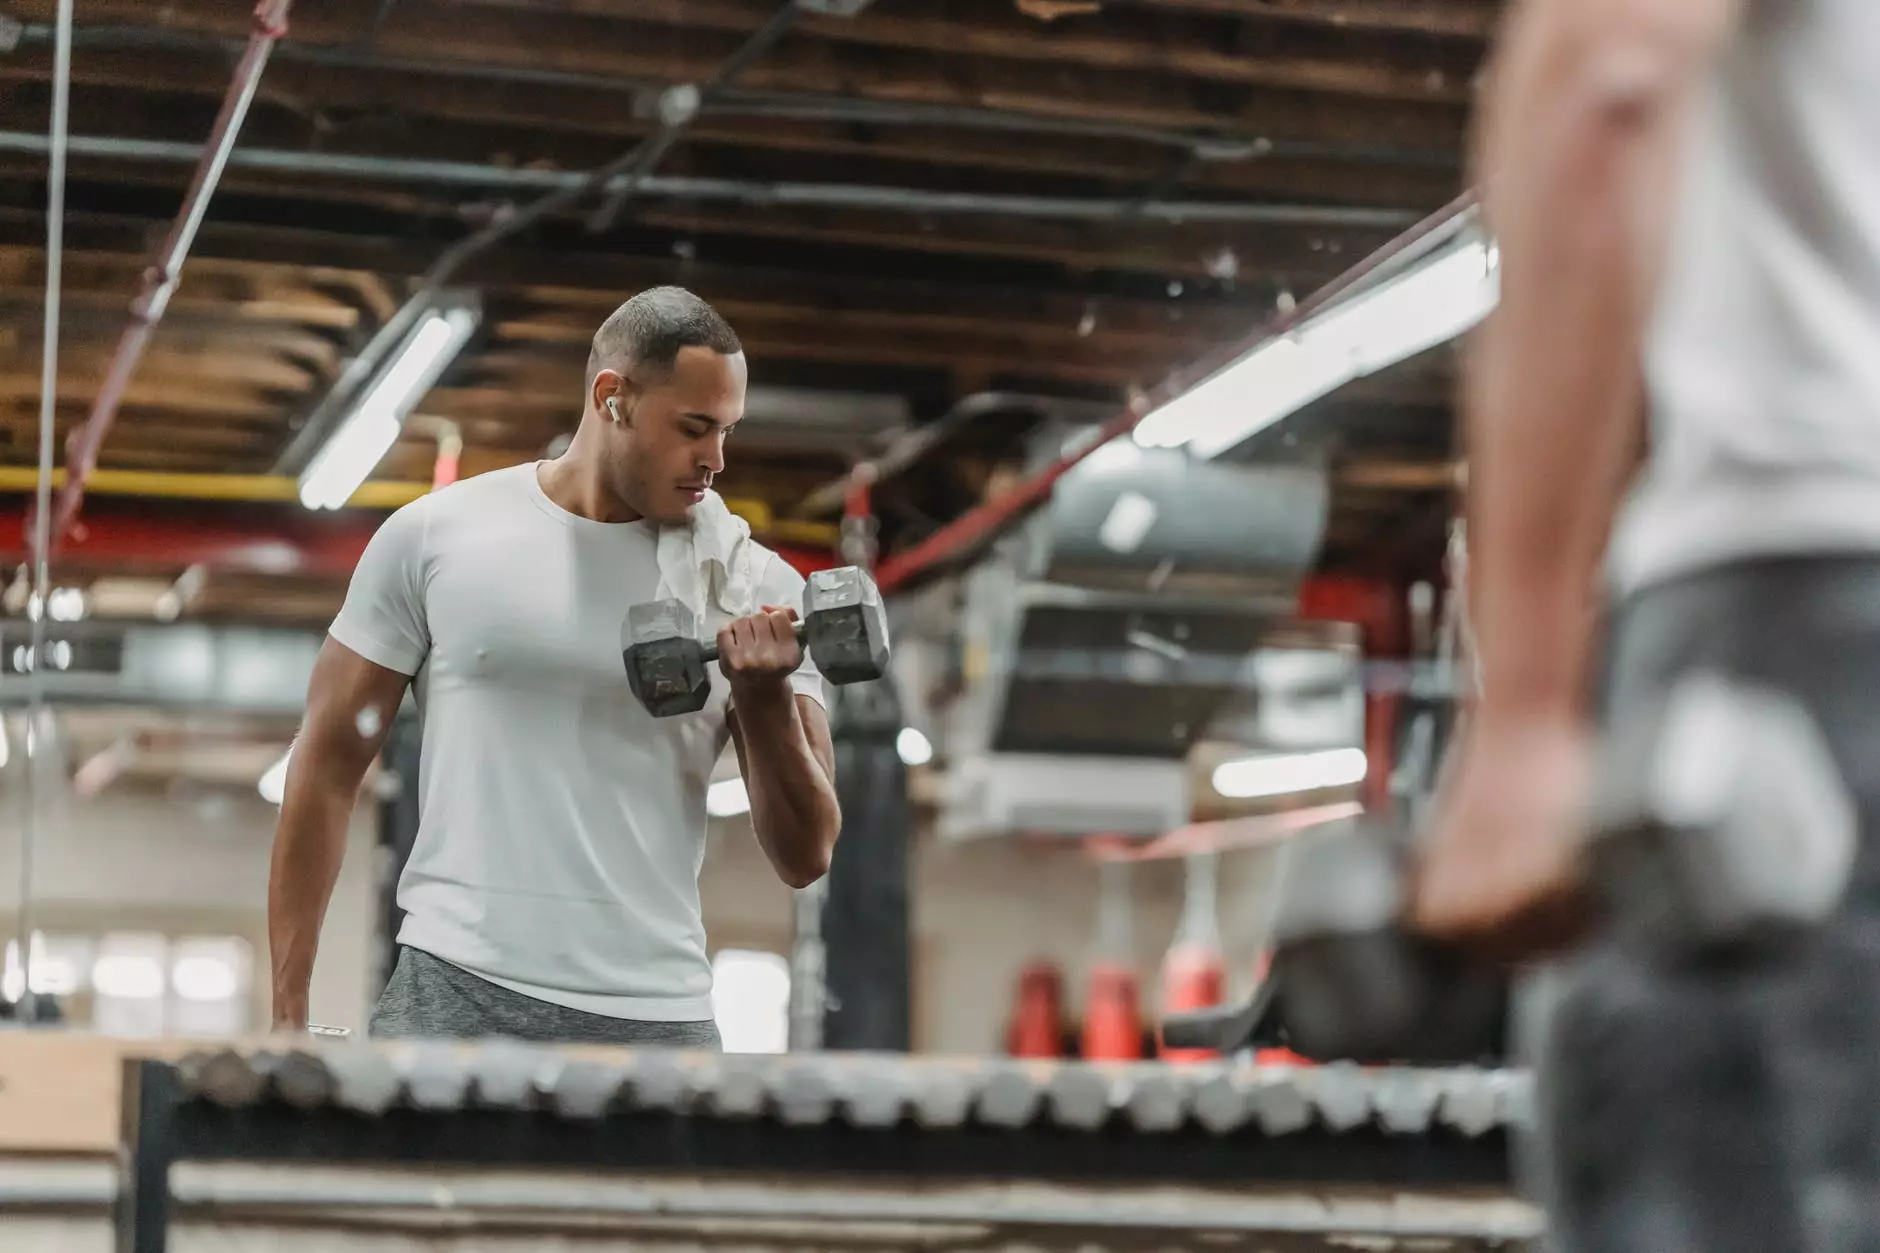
844	627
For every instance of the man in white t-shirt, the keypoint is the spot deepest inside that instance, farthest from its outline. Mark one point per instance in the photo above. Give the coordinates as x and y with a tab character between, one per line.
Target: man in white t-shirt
1686	194
552	890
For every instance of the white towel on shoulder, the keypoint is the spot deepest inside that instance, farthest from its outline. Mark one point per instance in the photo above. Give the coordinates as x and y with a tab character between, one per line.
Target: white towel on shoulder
709	566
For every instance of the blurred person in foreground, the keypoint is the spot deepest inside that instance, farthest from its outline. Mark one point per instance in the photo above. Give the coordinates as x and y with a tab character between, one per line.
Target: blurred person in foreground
1686	195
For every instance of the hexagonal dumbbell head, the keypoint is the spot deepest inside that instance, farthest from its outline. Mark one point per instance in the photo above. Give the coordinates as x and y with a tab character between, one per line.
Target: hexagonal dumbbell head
847	625
664	658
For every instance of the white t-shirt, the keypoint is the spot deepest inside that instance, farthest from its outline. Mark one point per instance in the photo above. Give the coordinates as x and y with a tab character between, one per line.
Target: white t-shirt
1764	357
561	826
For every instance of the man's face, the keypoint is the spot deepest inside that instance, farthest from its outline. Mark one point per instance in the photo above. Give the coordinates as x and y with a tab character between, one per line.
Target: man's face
670	442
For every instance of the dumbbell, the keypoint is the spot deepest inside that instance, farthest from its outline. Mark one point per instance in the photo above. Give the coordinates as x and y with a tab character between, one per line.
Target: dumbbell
844	627
1718	822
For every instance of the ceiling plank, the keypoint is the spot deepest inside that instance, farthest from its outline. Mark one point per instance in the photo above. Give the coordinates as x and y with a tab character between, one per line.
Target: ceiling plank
462	118
674	55
1017	39
1458	19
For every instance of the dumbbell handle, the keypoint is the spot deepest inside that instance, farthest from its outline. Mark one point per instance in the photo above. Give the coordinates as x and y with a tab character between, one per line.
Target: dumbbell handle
711	650
1223	1028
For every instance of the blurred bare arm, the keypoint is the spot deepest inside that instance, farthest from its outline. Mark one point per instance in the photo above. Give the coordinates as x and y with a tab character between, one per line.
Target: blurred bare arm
1581	140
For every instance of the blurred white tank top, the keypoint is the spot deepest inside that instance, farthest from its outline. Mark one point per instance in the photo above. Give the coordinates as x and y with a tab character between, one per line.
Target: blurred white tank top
1763	361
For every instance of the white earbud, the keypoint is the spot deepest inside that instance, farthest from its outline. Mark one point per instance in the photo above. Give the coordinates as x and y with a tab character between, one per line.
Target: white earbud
613	407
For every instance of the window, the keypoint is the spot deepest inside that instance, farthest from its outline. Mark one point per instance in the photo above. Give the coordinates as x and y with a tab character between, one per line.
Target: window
751	1000
140	984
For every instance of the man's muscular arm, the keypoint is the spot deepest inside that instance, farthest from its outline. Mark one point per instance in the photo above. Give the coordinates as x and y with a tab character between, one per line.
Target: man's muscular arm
1581	142
783	746
350	706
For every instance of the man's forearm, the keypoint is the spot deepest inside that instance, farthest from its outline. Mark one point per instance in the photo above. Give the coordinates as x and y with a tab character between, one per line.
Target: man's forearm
309	846
1583	143
793	799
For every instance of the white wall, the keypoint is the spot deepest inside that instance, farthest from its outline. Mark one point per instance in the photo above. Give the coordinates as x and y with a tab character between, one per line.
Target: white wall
131	861
134	861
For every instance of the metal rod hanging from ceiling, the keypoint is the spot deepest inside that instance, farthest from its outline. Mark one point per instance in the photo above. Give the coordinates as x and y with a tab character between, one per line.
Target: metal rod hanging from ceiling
976	527
574	185
160	280
39	534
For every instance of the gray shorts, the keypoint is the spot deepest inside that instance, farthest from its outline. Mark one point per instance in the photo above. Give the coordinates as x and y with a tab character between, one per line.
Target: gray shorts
428	998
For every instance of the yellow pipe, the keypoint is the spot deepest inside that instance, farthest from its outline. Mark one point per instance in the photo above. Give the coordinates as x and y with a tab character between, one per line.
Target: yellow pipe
374	494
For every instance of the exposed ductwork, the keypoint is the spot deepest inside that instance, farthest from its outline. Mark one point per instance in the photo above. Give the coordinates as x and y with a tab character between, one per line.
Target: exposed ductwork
1103	638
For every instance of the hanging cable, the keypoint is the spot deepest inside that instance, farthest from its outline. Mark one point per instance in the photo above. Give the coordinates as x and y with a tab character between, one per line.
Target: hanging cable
160	280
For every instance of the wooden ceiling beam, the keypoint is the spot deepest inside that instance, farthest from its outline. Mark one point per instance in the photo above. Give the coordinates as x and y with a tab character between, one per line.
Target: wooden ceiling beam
461	118
230	251
229	362
1455	19
259	288
22	428
219	403
1295	255
1006	35
673	54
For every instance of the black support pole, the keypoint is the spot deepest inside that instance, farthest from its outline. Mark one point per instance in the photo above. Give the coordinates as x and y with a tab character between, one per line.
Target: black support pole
865	923
398	829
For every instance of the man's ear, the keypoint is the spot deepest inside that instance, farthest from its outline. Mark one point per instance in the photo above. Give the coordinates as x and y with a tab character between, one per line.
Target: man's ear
612	385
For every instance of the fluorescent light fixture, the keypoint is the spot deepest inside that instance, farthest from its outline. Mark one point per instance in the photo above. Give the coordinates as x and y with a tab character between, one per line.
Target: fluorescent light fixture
1281	774
369	431
914	748
273	783
727	799
1435	302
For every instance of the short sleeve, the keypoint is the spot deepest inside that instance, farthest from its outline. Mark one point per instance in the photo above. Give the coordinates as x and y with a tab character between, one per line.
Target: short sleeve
781	585
383	618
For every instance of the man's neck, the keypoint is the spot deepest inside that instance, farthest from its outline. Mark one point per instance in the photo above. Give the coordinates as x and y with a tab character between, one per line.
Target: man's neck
575	482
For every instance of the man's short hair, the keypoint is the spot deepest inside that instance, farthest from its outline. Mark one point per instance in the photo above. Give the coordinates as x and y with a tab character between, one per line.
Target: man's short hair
650	330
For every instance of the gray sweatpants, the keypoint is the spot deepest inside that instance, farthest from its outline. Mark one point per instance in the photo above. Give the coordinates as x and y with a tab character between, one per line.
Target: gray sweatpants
428	998
1731	1105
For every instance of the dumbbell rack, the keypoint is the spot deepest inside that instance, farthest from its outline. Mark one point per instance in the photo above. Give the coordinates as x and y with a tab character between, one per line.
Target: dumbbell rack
654	1113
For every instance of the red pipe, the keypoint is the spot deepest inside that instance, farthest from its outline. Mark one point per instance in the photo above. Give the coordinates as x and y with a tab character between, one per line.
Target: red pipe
978	524
160	280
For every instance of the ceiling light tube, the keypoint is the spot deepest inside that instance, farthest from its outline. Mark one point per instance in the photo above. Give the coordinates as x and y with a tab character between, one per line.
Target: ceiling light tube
368	432
1439	299
1283	774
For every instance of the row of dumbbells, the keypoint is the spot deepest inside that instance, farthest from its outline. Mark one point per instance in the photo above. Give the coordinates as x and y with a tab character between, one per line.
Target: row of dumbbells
843	628
861	1090
1720	824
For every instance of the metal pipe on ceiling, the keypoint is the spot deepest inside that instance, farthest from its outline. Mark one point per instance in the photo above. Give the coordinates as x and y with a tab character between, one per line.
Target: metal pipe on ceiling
40	537
570	186
977	526
160	280
804	106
